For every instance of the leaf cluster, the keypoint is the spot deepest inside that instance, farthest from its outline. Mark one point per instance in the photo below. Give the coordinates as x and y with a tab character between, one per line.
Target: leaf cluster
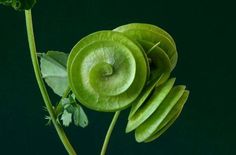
54	72
68	109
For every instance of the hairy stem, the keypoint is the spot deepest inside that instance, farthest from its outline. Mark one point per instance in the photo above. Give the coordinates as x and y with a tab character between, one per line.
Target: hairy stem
108	135
33	53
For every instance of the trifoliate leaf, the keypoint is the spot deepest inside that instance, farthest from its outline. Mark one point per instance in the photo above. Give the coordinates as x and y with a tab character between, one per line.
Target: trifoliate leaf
79	116
19	4
68	108
66	118
53	69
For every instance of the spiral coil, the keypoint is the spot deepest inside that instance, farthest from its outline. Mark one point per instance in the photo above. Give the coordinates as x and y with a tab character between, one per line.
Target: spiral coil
130	65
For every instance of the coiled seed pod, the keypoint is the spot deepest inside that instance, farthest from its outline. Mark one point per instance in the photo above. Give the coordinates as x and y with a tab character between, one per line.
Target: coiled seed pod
110	70
107	71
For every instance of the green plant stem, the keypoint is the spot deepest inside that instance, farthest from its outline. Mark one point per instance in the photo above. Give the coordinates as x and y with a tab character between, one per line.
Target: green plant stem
66	93
33	53
108	135
59	108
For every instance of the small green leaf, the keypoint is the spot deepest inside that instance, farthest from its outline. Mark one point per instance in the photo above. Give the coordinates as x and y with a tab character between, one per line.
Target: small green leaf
19	4
79	116
53	69
66	118
69	107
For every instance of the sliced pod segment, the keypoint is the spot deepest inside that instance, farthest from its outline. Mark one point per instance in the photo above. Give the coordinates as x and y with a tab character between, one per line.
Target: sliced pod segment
149	127
170	119
148	107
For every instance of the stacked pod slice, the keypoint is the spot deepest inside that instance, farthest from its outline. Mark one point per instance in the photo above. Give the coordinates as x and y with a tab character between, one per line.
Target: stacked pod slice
160	102
170	119
149	106
155	122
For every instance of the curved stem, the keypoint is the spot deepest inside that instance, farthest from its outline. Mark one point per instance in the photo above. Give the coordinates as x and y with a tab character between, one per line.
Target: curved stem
108	135
33	53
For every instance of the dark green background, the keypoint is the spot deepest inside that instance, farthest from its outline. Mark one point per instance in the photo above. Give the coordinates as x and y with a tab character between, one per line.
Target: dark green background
204	31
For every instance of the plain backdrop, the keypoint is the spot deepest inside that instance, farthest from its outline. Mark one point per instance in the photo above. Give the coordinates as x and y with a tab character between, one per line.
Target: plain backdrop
204	31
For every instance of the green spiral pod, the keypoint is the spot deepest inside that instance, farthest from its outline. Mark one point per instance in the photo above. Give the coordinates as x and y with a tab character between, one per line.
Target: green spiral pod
107	71
131	65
